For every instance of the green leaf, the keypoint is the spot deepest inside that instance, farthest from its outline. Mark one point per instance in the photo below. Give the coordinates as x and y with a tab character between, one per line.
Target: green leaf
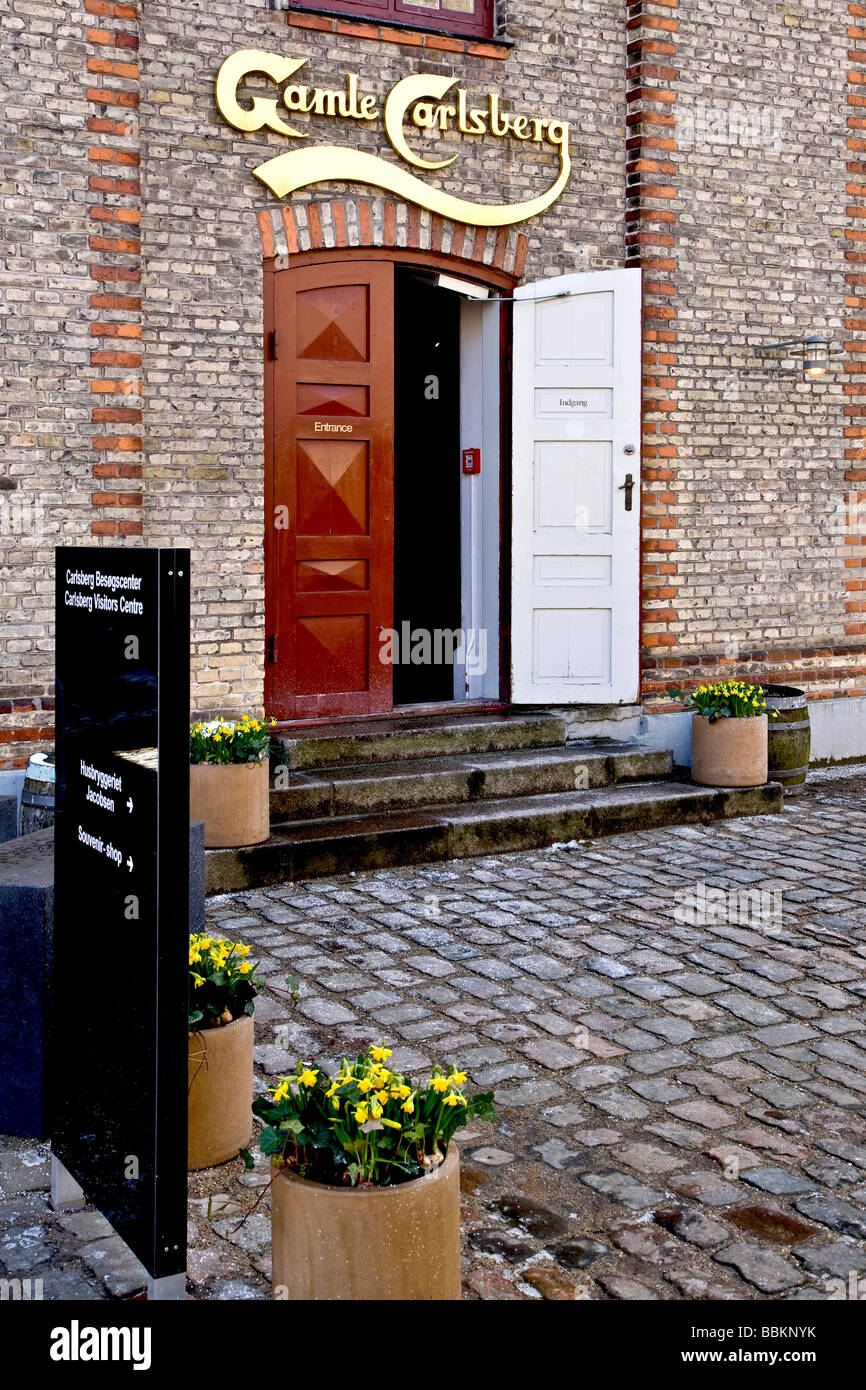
270	1142
481	1106
263	1106
249	1161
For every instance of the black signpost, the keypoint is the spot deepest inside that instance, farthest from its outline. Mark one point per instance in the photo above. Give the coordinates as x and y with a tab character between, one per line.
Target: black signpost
117	1083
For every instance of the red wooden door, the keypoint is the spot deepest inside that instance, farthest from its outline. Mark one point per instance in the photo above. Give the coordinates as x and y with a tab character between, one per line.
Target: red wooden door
330	546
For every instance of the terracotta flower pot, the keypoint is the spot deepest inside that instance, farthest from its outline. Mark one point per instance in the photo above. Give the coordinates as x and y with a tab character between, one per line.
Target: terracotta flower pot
368	1244
220	1093
729	752
232	800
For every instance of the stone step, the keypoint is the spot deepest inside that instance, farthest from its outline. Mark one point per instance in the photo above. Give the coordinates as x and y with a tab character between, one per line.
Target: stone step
426	736
311	849
470	777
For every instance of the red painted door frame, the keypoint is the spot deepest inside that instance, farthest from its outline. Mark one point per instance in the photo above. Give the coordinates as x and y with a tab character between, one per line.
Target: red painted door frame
331	534
282	545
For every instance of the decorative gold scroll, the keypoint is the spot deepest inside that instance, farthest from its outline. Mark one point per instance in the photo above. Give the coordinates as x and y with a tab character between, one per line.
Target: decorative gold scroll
419	99
322	163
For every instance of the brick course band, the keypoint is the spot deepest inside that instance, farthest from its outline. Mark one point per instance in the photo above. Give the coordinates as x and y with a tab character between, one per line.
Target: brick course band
353	222
841	668
651	244
409	38
853	550
115	203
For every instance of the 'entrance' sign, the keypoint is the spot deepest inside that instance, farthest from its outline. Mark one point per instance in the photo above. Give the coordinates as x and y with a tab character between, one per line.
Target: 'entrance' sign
118	1079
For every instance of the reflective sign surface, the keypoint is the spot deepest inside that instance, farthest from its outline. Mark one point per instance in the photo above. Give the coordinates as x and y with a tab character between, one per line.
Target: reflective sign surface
116	1087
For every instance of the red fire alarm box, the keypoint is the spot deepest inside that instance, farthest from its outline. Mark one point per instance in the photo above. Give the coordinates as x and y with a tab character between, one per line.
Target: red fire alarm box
471	460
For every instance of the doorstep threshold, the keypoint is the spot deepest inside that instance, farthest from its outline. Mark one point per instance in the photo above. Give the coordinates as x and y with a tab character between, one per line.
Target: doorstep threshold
454	708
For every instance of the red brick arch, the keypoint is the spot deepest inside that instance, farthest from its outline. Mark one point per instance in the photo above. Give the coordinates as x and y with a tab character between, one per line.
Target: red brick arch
354	221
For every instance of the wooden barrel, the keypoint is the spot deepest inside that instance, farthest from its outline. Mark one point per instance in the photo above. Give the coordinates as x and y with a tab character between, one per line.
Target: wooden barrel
37	798
789	737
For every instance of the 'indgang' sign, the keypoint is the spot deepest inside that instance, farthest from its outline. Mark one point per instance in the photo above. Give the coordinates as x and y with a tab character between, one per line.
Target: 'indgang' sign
420	97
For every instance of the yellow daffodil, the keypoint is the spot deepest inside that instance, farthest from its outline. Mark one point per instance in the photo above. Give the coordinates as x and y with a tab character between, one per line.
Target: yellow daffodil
370	1089
380	1054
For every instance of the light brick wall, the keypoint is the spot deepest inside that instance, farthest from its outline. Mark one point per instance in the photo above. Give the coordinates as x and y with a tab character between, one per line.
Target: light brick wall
203	461
123	420
855	324
45	457
748	527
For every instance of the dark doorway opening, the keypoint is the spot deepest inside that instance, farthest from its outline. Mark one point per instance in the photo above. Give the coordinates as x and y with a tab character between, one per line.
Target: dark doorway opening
427	591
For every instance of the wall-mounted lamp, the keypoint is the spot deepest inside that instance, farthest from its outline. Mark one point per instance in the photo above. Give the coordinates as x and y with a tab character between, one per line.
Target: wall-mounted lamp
815	353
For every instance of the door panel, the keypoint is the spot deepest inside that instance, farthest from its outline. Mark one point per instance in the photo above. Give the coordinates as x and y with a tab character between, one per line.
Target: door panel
576	441
332	489
330	549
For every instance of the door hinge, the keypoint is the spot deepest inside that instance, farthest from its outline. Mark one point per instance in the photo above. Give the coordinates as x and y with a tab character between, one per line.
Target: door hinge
273	647
273	345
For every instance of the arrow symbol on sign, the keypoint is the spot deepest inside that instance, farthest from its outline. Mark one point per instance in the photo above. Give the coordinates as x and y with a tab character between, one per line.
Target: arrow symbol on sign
129	863
129	804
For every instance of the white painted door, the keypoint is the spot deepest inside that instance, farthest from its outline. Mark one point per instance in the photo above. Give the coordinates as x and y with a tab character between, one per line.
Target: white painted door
576	443
476	666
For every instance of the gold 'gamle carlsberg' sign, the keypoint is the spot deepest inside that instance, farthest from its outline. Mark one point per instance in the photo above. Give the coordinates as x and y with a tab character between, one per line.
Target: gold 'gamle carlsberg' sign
418	99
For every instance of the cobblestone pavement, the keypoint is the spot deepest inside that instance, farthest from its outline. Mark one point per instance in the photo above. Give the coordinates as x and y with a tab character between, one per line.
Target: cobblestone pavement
680	1072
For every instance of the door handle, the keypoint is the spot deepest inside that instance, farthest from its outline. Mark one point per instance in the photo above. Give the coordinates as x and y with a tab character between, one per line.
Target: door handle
627	488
